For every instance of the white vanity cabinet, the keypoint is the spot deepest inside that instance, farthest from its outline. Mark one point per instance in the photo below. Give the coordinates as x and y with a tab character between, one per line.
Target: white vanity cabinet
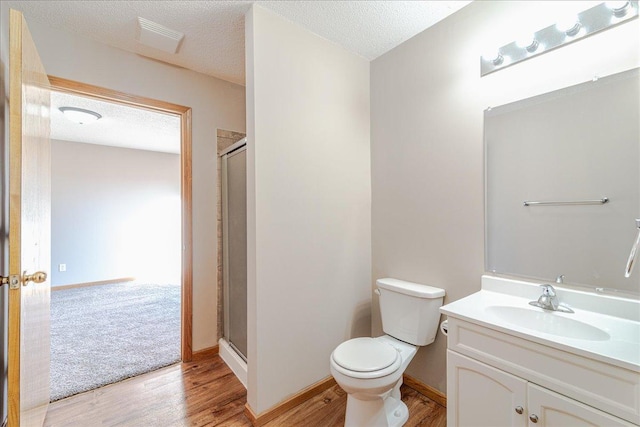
555	410
484	396
493	376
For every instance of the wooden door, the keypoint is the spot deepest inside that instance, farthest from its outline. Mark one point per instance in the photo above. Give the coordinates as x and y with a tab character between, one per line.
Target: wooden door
29	229
480	395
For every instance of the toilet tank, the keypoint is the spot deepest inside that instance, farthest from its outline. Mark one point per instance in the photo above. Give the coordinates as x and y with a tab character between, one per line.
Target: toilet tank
409	310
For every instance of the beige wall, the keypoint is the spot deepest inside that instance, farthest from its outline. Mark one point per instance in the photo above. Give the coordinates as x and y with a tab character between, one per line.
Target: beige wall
215	104
308	204
115	213
427	102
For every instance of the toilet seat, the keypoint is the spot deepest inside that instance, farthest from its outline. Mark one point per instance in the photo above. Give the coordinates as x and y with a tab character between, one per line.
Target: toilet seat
366	358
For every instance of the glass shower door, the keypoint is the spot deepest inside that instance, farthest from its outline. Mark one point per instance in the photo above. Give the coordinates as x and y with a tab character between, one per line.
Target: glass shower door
234	239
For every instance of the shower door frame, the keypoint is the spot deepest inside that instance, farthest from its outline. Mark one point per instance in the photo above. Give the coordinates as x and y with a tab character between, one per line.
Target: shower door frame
234	149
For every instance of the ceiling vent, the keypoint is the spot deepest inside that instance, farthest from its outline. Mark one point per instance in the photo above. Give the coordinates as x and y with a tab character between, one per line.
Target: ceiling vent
158	36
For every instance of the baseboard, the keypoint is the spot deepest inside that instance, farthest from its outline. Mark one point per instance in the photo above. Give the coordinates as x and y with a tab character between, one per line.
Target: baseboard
205	353
100	282
292	402
436	395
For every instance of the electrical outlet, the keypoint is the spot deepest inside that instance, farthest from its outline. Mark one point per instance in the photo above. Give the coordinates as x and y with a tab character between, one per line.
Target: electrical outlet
62	267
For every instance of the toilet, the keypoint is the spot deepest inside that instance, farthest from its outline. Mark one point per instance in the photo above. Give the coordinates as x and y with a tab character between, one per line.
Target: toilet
370	370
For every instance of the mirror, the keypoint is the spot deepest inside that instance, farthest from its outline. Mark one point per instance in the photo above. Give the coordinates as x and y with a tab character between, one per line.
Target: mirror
573	147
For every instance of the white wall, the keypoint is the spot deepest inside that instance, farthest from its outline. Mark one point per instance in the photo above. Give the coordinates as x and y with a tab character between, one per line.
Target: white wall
308	204
115	212
215	104
427	103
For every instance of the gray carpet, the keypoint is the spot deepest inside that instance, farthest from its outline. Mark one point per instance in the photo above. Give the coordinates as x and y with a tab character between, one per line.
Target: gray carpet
104	334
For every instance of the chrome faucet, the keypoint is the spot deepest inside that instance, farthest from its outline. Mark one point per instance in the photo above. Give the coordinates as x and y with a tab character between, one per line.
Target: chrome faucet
549	301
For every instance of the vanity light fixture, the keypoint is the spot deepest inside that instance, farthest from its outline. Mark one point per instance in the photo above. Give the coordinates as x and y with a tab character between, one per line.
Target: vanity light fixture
598	18
80	115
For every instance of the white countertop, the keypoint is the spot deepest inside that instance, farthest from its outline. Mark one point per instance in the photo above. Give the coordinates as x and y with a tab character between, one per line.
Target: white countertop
616	316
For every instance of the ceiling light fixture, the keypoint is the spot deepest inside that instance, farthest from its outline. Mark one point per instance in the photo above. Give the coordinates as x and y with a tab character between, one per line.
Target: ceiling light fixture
80	115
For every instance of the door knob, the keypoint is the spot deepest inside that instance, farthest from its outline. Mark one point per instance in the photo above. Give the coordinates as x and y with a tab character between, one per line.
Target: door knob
38	277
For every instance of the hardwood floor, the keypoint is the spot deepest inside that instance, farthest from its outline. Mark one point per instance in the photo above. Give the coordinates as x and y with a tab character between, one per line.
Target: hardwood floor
206	393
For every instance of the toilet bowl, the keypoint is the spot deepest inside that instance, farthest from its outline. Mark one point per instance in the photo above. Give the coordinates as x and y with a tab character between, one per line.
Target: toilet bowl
370	370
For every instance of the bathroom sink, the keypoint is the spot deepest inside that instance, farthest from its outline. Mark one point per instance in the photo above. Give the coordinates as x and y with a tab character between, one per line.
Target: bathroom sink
603	327
548	322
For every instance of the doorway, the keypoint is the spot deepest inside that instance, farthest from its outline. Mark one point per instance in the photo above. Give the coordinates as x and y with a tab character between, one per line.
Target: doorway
183	241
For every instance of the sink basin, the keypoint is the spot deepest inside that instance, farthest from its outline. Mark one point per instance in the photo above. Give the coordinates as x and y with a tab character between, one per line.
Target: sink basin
548	322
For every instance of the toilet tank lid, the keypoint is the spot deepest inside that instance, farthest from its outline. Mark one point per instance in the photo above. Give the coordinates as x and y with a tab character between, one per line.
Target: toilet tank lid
410	288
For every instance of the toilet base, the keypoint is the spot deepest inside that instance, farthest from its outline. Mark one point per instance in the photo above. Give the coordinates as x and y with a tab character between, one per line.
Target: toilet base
387	412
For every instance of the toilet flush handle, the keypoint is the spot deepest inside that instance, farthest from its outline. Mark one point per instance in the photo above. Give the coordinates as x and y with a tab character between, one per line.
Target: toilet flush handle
377	291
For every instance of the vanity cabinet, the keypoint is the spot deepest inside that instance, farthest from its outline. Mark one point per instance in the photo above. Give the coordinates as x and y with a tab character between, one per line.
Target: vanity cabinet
483	396
495	379
488	397
555	410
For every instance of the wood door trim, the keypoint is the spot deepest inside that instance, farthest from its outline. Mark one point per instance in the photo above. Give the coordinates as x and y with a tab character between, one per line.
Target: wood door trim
69	86
15	188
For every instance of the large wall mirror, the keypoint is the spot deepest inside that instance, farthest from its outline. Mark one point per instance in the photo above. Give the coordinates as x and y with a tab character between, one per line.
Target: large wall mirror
573	156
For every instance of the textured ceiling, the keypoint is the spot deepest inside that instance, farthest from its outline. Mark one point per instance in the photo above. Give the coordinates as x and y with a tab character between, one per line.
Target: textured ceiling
213	45
120	126
214	30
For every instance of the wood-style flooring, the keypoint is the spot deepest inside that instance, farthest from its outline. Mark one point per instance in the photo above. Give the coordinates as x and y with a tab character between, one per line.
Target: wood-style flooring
206	393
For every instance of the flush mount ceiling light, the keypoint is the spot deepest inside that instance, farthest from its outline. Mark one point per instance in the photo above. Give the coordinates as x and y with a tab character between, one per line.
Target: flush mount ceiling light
565	31
80	115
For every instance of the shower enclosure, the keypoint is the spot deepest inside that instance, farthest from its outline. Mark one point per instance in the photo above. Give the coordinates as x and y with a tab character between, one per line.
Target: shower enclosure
234	258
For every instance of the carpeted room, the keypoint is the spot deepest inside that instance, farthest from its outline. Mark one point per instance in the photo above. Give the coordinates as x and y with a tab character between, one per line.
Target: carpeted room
115	305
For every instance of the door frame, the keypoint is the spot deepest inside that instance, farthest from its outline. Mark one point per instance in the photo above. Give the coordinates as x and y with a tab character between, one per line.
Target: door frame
59	84
232	150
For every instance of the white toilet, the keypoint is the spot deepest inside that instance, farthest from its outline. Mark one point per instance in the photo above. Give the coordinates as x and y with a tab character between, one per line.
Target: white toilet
370	369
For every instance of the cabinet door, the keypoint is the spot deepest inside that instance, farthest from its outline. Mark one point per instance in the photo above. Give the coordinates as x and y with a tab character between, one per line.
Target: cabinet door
551	409
480	395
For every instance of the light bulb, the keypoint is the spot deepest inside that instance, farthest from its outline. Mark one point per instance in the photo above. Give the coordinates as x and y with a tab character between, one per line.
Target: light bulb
619	8
569	25
527	42
494	56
